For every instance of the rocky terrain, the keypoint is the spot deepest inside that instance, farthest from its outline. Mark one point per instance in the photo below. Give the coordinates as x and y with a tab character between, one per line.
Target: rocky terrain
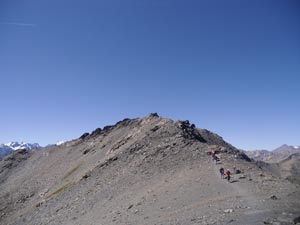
279	154
149	170
283	161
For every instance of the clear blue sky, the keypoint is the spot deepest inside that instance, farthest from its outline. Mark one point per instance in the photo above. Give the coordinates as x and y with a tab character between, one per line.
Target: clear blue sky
70	66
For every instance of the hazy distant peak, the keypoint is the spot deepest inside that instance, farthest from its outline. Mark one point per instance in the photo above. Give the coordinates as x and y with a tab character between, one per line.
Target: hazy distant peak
276	155
286	147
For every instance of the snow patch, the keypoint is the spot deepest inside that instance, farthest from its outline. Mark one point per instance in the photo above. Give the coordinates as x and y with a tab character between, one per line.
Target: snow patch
60	143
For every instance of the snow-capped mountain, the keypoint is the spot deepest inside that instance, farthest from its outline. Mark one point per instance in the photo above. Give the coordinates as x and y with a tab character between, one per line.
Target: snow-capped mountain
5	149
22	145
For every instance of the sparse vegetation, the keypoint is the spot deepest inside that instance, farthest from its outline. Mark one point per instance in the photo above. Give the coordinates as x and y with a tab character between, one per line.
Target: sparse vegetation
59	190
71	172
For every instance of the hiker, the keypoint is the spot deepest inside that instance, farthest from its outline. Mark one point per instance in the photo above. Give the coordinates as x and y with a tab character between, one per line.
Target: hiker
213	156
217	159
222	172
228	175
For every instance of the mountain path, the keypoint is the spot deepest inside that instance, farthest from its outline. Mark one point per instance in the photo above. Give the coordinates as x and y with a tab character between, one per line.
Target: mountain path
247	208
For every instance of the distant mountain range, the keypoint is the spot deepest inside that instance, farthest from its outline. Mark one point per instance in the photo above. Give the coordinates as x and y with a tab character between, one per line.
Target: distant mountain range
8	148
283	161
5	149
279	154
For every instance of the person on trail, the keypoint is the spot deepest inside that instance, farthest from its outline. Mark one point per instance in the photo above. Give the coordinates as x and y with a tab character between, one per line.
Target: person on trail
222	172
216	159
228	175
213	155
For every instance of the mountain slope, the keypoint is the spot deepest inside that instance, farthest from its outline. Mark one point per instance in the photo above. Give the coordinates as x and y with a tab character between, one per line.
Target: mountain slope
290	168
283	161
4	150
286	150
141	171
260	155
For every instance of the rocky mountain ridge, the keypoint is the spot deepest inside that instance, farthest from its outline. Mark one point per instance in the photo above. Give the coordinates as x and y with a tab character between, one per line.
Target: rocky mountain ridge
149	170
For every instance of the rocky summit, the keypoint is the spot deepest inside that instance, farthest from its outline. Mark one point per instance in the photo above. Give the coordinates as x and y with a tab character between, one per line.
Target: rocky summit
144	171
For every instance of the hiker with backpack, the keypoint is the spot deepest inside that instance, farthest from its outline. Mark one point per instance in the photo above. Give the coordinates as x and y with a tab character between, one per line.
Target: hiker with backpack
213	156
228	175
217	159
222	172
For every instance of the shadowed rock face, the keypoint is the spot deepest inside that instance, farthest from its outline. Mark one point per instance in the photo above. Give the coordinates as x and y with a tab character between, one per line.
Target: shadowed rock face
148	170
